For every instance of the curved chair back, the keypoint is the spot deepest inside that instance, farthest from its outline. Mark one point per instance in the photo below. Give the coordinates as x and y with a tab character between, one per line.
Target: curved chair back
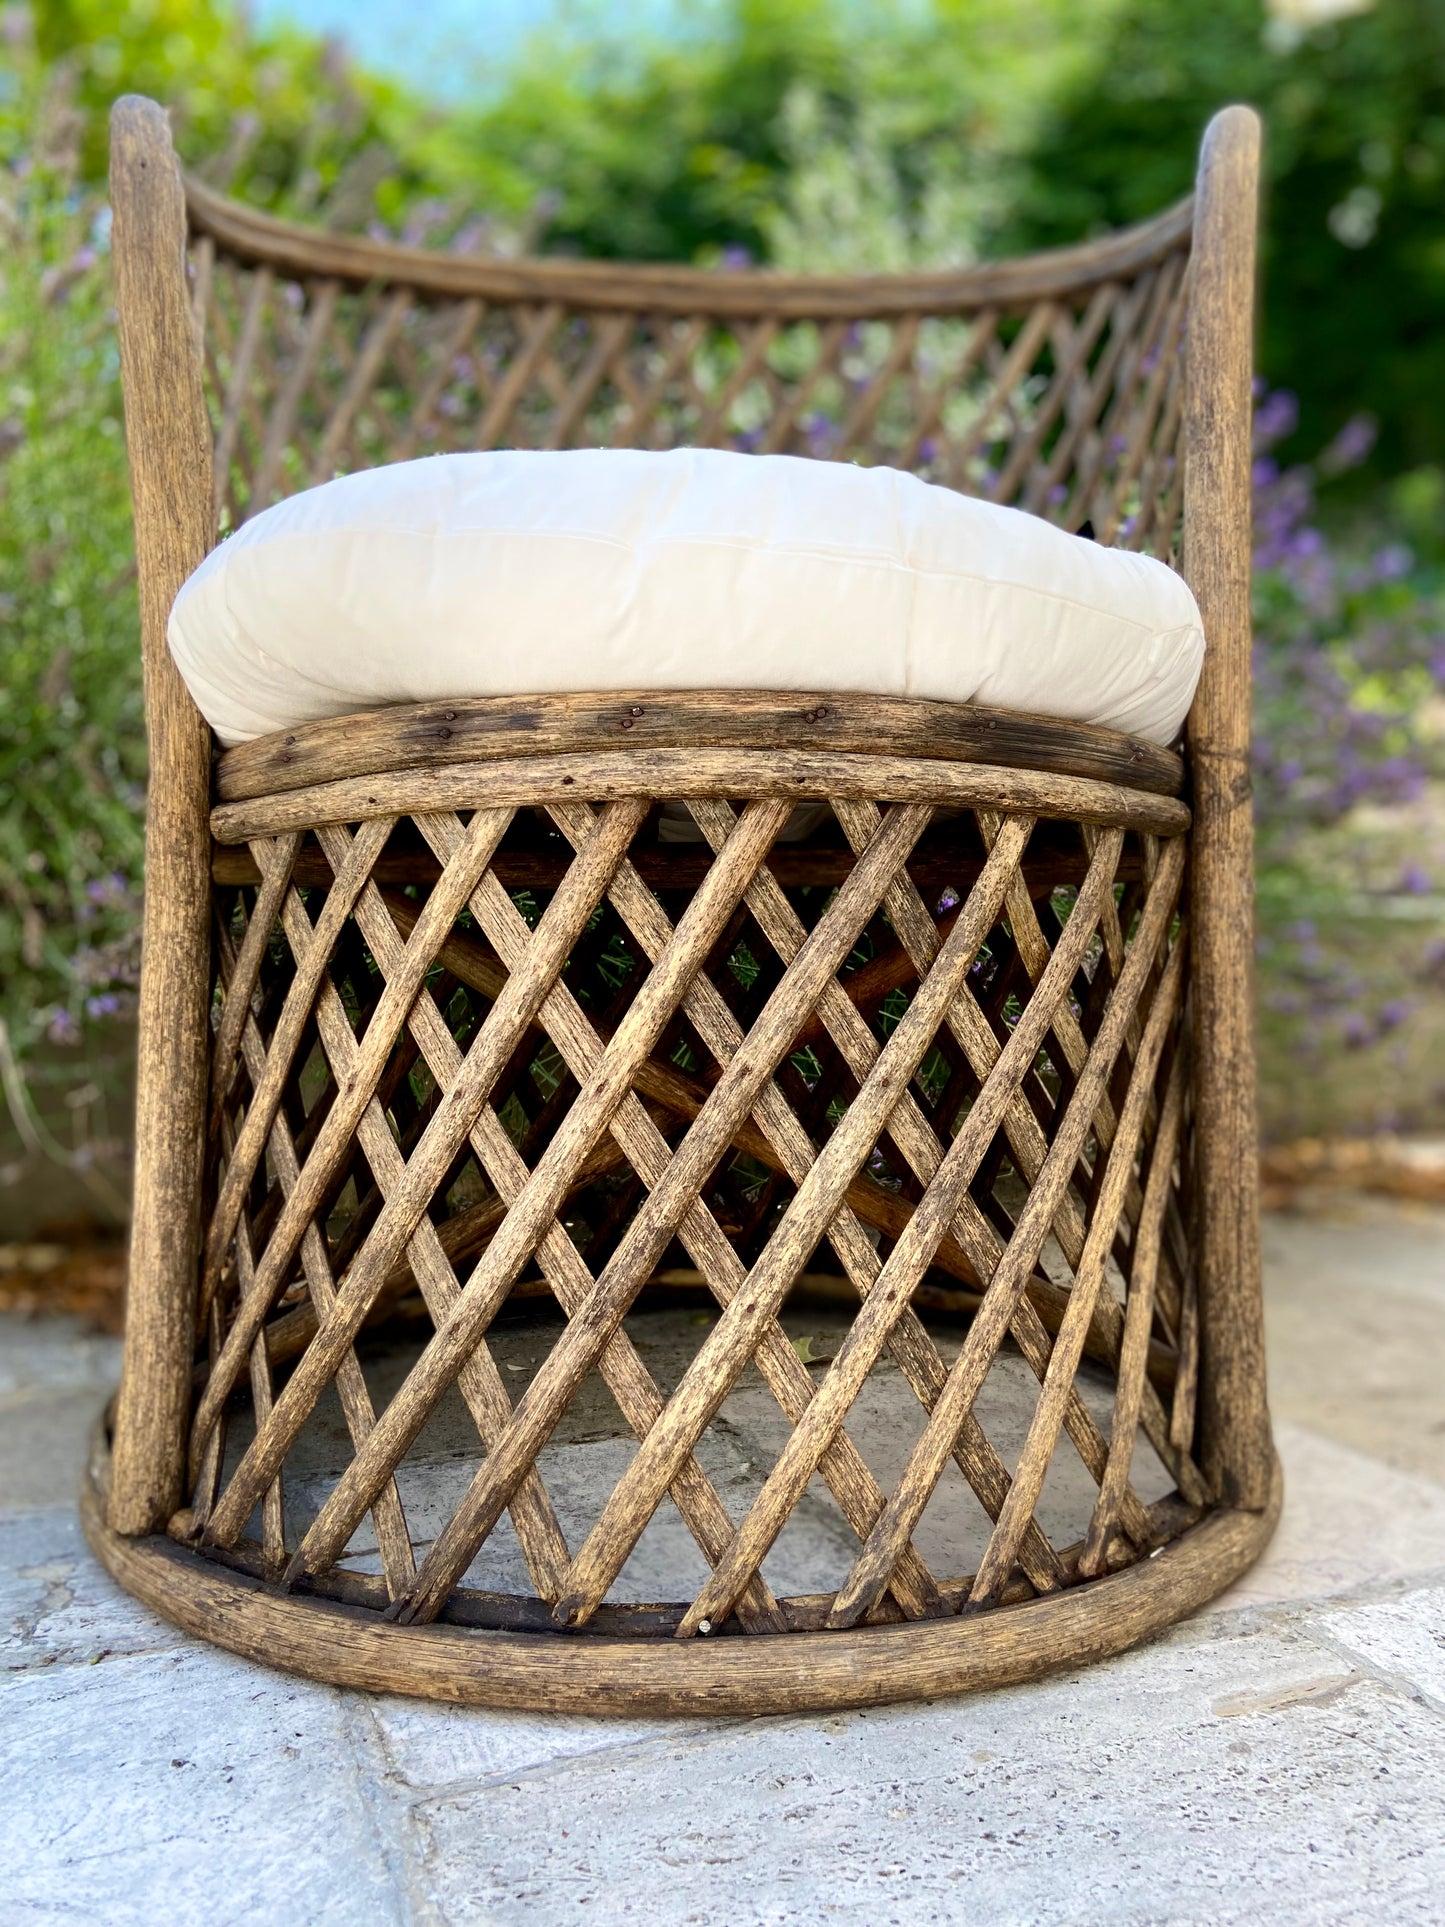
1054	383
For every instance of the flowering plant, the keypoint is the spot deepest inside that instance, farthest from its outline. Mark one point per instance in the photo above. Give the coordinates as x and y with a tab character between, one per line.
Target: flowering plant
1348	671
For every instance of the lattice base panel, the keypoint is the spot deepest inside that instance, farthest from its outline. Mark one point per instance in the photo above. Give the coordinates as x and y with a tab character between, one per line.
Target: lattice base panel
704	1222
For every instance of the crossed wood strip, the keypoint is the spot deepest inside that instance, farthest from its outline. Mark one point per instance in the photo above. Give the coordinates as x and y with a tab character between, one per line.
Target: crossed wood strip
643	1144
534	1209
736	1556
393	1538
719	1361
1073	411
659	1215
789	1143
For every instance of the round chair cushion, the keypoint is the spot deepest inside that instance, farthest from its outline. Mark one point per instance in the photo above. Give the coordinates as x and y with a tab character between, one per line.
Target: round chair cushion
528	573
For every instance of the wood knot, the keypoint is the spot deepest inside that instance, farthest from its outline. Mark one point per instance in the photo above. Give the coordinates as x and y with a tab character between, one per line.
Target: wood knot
636	710
629	722
816	715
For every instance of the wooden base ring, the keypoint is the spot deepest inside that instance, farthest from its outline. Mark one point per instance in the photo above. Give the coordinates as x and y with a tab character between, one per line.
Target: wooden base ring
778	1673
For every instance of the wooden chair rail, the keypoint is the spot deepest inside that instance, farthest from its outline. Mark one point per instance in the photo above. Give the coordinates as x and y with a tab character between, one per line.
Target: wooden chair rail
426	735
293	249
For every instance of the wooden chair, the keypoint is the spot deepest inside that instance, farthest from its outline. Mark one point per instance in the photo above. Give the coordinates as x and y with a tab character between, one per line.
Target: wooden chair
429	1010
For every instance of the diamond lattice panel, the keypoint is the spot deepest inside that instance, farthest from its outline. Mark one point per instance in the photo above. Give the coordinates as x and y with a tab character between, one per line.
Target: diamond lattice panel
1070	409
512	1078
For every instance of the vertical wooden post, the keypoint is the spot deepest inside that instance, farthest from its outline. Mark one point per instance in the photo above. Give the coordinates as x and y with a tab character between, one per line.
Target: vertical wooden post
1234	1411
168	437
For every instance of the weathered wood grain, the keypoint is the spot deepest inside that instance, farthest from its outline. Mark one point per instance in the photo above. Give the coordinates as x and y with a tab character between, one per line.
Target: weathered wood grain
169	443
1233	1403
612	776
488	729
798	1672
650	289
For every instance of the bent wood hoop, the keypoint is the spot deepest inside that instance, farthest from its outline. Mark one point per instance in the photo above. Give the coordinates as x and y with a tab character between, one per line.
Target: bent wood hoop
796	1673
561	1007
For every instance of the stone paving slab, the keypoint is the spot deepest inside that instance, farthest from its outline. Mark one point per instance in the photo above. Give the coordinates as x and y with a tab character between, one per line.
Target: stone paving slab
185	1786
1204	1780
1280	1759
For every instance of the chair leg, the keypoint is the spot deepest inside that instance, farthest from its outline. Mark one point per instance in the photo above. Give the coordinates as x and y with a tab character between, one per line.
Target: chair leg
169	441
1233	1409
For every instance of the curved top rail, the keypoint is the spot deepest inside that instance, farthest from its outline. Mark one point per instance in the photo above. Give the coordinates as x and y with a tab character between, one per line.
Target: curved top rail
664	289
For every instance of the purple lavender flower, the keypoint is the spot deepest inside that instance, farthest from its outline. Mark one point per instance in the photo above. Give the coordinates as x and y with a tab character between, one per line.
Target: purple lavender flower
1393	562
62	1028
1351	446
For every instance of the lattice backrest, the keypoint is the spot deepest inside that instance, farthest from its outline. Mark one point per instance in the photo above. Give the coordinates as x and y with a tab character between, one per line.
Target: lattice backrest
1054	383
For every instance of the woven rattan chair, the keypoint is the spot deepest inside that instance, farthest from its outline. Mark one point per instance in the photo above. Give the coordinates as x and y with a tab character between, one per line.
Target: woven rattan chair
435	1026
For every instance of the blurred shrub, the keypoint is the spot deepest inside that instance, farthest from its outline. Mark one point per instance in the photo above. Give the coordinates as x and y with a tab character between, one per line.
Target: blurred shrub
1355	165
1349	754
72	750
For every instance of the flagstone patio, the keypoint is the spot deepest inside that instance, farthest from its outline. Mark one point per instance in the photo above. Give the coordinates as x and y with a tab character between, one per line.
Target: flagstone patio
1281	1757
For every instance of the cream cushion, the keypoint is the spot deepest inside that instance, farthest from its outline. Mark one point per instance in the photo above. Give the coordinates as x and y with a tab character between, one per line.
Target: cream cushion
523	573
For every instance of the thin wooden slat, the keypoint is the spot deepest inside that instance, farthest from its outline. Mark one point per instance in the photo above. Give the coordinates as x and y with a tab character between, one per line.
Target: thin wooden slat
285	1039
927	1459
871	398
536	1205
485	831
464	326
728	1347
238	384
612	336
1038	1450
910	1256
392	1538
403	1211
281	424
784	1138
784	417
929	414
1133	1352
732	1098
1016	363
522	371
242	982
1029	1148
626	1375
363	378
1079	439
538	1531
1081	342
778	1138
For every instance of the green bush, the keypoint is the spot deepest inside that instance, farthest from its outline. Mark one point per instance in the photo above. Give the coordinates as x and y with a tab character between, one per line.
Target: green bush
72	749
